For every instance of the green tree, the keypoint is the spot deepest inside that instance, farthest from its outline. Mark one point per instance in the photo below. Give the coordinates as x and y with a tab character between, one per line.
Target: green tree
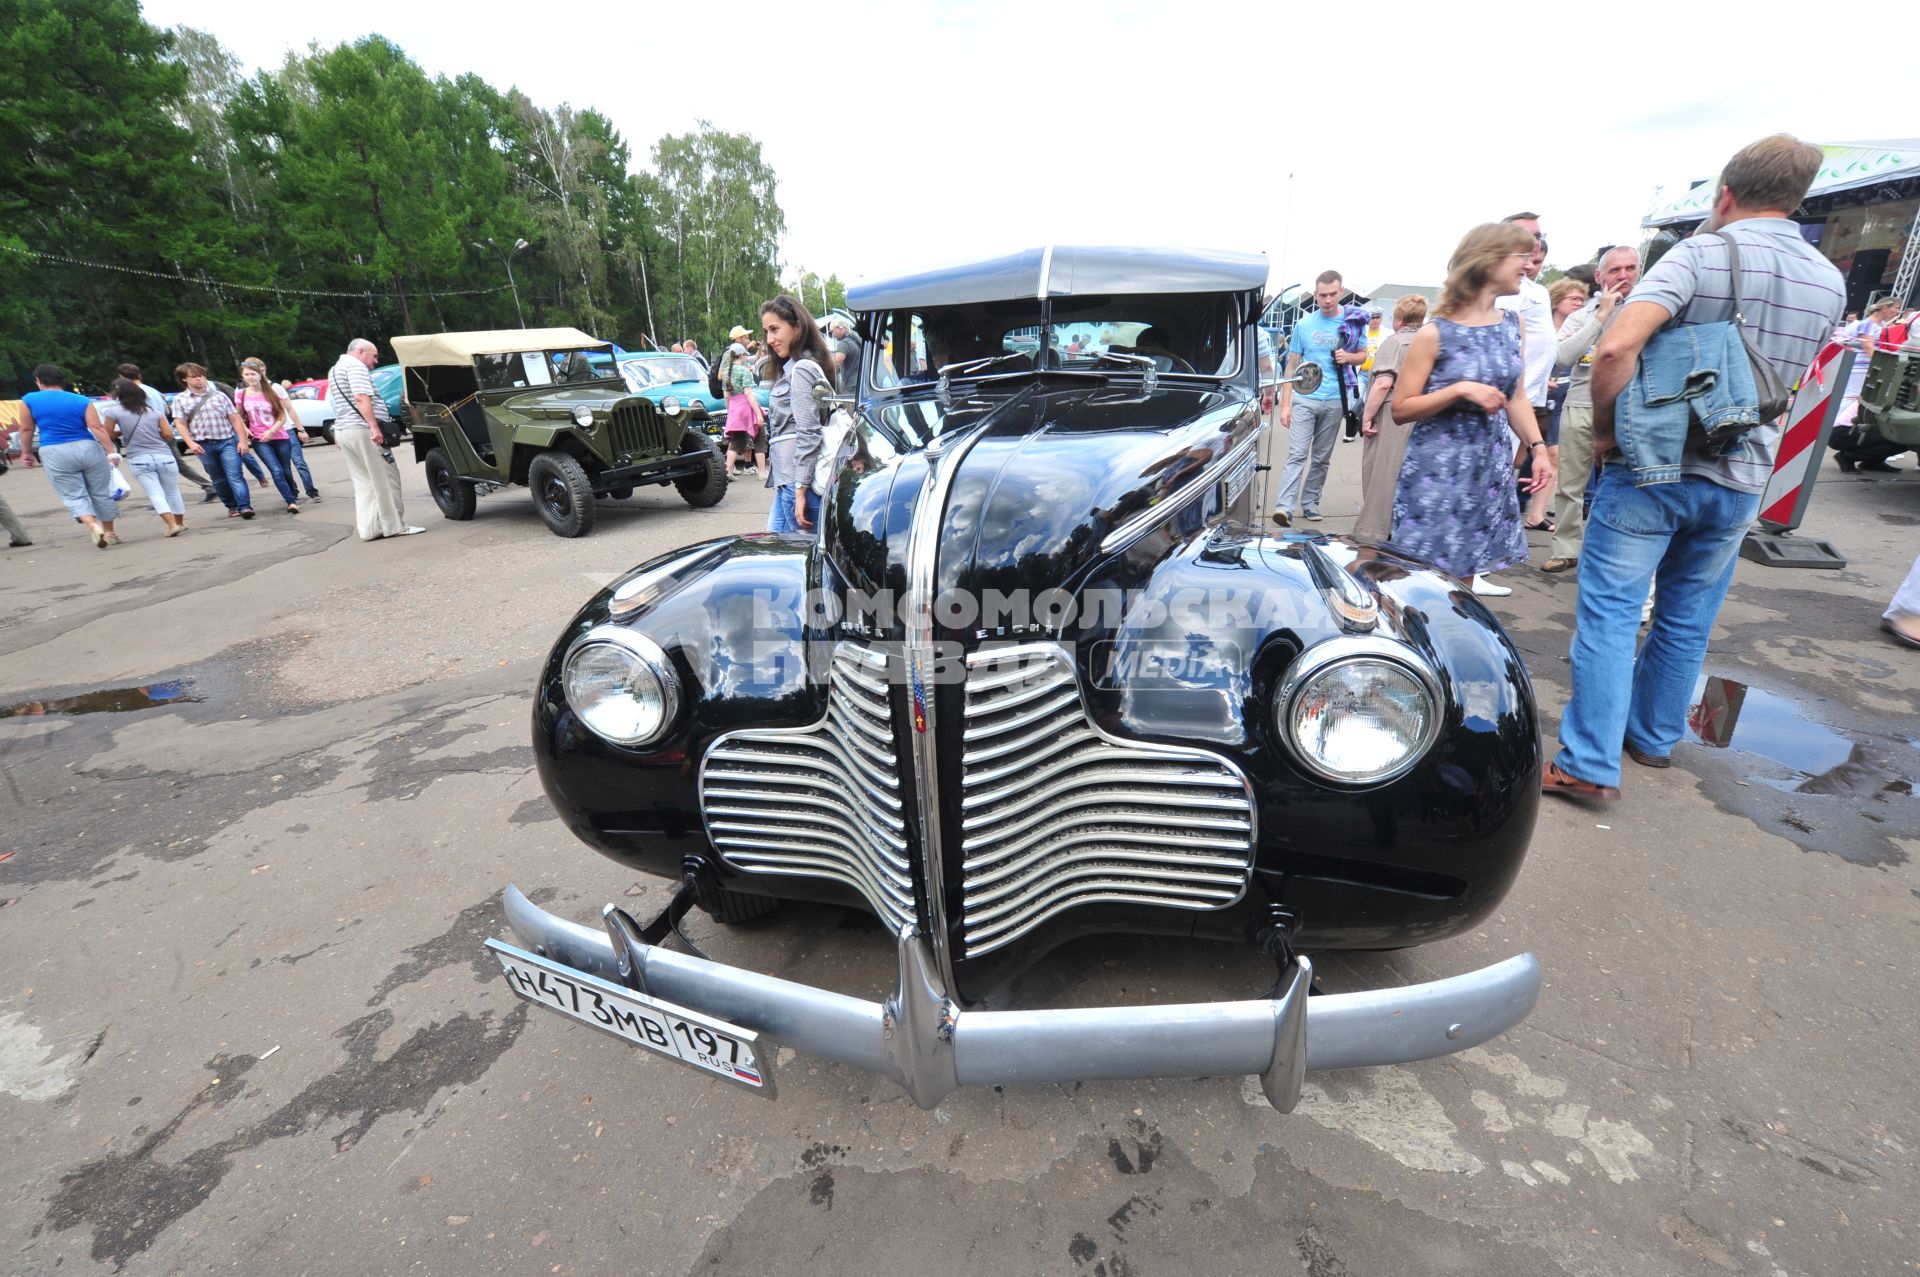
713	207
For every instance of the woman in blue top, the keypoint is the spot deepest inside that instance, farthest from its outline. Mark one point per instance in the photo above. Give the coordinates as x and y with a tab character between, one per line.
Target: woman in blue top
76	450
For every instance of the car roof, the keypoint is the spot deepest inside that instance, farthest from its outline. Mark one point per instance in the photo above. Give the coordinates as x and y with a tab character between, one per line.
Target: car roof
1068	271
458	349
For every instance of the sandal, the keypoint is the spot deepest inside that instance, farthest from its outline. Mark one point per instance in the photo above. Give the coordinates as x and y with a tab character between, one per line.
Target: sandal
1545	525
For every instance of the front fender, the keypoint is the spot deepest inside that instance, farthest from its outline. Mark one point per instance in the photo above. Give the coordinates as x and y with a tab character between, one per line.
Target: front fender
730	616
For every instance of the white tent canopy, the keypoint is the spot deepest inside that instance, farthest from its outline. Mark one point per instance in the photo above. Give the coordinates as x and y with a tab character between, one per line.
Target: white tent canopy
1846	167
458	349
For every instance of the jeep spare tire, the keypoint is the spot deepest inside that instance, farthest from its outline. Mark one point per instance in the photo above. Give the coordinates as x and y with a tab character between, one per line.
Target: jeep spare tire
455	499
562	494
707	487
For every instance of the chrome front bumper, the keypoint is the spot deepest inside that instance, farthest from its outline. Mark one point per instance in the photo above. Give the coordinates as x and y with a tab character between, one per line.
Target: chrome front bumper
922	1040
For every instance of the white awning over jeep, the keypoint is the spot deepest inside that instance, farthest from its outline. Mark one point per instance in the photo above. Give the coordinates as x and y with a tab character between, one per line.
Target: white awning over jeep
458	349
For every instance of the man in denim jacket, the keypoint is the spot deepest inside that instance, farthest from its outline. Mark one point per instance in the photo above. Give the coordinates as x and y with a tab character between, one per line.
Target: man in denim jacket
1685	535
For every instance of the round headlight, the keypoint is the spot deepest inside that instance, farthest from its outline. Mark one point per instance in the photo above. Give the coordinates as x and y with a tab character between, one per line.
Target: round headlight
622	686
670	404
1359	719
582	416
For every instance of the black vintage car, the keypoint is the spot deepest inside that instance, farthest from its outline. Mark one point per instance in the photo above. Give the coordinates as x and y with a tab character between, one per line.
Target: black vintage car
1042	676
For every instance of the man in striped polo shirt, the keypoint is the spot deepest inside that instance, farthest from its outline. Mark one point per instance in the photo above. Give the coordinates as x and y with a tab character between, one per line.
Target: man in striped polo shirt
1685	535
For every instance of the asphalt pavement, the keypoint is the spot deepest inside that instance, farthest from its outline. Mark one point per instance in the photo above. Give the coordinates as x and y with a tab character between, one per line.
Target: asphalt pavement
261	786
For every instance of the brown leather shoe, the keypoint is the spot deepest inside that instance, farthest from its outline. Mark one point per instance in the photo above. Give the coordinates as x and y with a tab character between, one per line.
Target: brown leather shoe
1555	781
1649	760
1557	565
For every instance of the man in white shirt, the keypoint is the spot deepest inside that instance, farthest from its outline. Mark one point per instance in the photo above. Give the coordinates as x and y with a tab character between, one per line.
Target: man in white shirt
359	426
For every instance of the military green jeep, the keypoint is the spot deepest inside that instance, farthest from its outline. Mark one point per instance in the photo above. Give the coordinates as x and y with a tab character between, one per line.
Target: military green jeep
544	407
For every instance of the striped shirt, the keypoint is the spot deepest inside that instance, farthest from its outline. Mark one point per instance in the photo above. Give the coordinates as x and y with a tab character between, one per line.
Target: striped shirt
1793	297
350	375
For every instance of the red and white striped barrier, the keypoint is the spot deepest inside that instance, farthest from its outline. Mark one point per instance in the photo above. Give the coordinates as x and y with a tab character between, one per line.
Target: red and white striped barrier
1816	402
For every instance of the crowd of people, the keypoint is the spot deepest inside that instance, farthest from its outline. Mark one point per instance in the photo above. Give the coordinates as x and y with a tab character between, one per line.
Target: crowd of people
94	451
1516	407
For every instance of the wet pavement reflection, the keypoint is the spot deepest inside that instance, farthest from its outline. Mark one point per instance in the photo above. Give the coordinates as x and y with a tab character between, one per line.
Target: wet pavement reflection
114	700
1872	774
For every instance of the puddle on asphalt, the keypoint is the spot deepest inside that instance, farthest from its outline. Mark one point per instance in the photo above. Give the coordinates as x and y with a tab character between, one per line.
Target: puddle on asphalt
114	700
1728	714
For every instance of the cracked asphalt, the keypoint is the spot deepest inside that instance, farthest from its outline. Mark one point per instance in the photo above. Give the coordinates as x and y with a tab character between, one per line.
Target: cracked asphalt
246	1021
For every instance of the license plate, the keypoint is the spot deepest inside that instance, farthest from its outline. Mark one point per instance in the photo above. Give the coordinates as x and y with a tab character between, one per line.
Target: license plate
713	1046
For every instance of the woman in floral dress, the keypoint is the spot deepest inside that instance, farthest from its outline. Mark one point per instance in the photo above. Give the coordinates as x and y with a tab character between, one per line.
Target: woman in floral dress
1460	386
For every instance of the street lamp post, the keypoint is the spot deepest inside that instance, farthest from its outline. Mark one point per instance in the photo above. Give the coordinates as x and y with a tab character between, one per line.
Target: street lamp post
506	259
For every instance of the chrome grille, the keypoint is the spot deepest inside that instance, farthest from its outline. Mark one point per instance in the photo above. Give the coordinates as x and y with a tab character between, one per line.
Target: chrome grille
821	801
637	428
1055	813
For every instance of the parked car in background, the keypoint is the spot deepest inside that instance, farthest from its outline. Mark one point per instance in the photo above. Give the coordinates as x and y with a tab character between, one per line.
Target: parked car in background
1044	674
311	408
675	384
315	410
545	408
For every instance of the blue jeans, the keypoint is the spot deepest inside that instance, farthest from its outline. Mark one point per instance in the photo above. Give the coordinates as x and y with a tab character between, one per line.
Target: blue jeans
223	468
780	518
278	454
251	461
300	464
1683	538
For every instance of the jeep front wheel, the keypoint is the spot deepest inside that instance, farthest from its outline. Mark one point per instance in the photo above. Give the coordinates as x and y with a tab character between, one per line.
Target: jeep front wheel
455	499
708	486
562	494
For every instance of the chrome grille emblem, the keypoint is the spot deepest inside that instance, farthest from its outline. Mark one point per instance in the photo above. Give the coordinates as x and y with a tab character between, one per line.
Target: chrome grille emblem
821	801
1057	814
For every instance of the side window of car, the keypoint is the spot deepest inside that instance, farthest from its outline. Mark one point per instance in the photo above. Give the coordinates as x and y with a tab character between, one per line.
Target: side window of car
897	360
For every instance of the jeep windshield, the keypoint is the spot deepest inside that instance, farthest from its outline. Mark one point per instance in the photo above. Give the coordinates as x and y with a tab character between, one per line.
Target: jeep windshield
520	370
642	374
1182	334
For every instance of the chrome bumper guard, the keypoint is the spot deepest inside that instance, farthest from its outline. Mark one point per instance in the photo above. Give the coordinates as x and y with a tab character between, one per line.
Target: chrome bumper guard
922	1040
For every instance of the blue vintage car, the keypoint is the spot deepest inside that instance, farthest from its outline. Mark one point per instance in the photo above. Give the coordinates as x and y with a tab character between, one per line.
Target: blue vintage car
678	384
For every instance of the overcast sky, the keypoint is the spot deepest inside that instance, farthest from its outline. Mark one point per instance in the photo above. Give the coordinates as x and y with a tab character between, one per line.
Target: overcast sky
1364	137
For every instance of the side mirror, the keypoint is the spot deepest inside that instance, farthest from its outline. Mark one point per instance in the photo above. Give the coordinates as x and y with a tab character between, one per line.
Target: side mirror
1307	377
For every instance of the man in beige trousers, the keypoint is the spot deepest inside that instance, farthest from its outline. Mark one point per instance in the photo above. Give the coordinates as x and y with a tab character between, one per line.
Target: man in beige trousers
1614	278
359	431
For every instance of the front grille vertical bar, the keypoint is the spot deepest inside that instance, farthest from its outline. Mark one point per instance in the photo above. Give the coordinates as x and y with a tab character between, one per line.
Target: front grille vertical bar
943	458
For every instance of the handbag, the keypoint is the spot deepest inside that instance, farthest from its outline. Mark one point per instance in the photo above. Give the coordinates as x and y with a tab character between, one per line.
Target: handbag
1771	393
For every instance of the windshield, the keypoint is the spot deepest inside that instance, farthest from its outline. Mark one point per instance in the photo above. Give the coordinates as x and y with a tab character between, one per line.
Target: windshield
521	369
643	373
1182	333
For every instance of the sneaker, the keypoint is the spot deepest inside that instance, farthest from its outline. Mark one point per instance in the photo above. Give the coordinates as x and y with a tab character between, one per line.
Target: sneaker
411	531
1312	514
211	497
1282	518
247	513
1486	588
313	496
292	509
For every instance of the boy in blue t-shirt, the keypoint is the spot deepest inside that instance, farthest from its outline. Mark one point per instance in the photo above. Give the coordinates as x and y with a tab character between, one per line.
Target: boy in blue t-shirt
1312	417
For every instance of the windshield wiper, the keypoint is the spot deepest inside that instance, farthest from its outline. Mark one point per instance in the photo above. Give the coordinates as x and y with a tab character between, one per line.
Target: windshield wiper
1149	371
943	387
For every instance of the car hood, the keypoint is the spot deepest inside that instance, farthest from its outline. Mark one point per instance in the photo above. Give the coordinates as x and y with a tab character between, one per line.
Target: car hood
1050	481
560	398
679	389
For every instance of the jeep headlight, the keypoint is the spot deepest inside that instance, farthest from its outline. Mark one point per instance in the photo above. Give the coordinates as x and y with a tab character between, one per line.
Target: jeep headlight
1362	711
582	415
621	685
670	405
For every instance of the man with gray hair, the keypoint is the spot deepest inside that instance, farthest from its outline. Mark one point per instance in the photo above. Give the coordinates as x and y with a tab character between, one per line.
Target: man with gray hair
361	428
1615	277
847	351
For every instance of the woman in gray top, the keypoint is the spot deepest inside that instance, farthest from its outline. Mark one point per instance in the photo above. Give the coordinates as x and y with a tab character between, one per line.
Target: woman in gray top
800	360
146	445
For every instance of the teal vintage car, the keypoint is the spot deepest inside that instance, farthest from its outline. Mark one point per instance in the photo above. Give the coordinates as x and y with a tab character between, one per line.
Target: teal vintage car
677	384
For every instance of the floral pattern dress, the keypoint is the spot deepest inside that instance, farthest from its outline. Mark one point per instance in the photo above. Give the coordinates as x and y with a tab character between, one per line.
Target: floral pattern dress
1455	505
